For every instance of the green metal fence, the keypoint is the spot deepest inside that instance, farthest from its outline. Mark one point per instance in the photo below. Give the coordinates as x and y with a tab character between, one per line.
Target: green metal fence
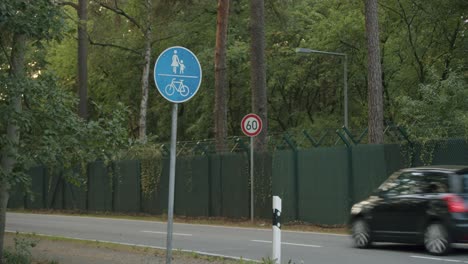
99	187
317	184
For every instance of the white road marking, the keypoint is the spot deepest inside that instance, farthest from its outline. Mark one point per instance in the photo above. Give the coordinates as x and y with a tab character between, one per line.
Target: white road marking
165	233
286	243
440	259
265	229
142	245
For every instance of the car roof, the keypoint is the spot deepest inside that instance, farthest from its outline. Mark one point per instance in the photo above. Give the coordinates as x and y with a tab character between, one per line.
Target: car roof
458	169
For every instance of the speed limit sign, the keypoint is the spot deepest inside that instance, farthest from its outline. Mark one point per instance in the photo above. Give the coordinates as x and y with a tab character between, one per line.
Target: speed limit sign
251	125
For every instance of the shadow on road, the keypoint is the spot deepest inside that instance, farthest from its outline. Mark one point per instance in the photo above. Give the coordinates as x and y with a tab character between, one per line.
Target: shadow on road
458	250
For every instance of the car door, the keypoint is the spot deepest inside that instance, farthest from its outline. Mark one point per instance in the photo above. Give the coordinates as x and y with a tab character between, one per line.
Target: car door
401	209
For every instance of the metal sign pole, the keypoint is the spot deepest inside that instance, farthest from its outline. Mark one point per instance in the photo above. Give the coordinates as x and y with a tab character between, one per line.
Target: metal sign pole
251	125
177	75
170	210
252	179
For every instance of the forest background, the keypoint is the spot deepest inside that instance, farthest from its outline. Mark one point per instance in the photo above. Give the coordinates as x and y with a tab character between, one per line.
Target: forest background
423	55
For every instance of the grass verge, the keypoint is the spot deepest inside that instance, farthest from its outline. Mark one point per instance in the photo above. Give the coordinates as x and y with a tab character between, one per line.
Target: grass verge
27	241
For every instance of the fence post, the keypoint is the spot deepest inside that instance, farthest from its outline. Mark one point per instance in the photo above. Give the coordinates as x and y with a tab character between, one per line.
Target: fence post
350	169
411	144
276	255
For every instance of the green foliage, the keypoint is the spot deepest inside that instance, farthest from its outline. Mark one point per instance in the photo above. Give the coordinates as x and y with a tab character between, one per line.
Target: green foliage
421	43
51	132
39	19
22	250
439	111
151	161
21	254
273	261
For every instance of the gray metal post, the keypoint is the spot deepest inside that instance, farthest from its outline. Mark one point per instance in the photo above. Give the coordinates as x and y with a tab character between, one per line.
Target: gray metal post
252	179
345	77
345	92
172	165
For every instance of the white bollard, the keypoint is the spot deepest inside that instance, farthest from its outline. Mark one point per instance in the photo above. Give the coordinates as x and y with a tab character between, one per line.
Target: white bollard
276	256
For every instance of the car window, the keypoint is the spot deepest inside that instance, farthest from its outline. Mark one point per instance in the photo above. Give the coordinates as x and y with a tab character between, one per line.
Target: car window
465	183
405	183
437	183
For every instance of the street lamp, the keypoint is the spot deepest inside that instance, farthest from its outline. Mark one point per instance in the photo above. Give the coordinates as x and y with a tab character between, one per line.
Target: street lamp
345	76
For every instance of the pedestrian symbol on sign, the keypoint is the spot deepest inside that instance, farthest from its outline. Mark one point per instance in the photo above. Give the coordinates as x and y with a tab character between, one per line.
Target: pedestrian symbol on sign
175	62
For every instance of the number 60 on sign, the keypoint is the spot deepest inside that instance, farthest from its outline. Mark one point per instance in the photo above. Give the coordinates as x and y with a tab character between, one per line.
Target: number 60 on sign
251	125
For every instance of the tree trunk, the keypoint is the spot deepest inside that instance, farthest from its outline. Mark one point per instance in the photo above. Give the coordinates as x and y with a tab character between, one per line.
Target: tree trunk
145	75
82	59
221	82
9	154
374	72
258	70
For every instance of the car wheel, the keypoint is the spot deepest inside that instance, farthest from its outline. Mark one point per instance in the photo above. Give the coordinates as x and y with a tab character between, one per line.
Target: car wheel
436	239
361	233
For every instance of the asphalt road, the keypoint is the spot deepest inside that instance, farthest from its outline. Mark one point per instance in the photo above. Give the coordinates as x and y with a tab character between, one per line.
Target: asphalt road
246	243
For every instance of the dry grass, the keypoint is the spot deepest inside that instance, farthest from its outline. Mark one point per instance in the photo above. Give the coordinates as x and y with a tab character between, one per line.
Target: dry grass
53	246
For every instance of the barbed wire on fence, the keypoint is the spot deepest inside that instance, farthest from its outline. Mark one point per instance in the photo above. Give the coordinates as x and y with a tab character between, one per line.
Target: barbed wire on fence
293	140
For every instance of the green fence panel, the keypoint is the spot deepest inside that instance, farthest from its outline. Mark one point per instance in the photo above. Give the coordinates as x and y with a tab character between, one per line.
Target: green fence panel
127	187
75	194
37	198
215	183
99	187
444	152
323	185
369	169
235	185
183	186
75	197
39	186
17	199
55	197
263	185
192	186
156	201
451	152
283	170
419	159
395	158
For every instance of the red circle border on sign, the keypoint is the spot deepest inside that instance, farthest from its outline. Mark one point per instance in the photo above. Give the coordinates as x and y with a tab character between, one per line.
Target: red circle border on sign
259	121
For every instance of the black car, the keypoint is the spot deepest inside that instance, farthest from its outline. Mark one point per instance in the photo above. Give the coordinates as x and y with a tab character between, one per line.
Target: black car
426	205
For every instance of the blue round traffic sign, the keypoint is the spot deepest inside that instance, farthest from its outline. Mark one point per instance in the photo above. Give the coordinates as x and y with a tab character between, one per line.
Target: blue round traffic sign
177	74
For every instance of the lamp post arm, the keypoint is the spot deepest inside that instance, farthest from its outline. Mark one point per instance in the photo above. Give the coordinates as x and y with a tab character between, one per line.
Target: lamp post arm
303	50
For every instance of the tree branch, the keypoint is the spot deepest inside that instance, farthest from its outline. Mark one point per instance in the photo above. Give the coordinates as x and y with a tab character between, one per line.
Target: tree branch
390	8
74	5
347	44
113	46
119	11
5	52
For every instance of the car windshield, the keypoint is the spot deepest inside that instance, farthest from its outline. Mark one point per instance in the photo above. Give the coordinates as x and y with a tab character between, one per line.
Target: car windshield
390	182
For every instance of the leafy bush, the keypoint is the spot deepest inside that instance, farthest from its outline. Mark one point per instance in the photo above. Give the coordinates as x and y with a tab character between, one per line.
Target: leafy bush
22	251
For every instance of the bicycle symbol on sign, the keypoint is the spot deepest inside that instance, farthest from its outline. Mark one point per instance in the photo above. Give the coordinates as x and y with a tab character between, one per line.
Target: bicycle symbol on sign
182	89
